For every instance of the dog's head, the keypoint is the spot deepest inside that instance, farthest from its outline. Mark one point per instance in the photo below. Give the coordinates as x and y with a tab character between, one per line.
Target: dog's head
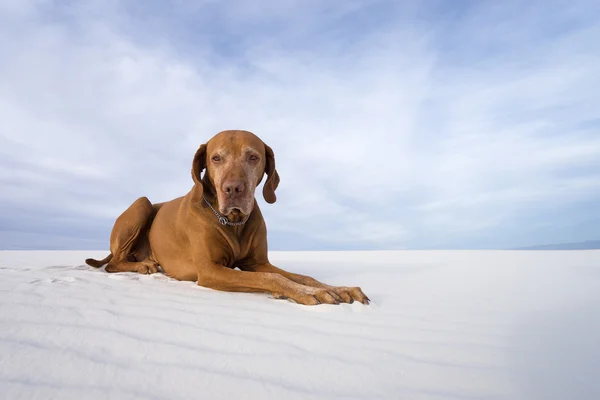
235	162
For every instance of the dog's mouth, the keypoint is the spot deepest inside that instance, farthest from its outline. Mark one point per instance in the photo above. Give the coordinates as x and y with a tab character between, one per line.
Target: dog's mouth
235	214
233	210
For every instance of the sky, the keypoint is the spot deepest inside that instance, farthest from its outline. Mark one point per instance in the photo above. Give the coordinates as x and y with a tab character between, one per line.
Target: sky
395	124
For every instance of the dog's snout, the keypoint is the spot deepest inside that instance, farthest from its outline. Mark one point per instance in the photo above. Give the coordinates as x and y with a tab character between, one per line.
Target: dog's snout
234	187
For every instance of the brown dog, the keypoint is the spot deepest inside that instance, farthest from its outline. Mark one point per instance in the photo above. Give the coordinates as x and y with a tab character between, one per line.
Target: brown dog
216	227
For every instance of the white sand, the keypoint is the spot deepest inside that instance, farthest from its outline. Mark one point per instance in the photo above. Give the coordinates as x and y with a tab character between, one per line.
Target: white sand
442	325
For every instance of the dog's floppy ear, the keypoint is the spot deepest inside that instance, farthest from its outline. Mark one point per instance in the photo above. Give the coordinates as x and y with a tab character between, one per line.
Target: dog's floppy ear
272	177
198	165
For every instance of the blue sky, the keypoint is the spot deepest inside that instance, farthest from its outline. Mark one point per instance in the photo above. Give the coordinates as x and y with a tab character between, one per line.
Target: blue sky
414	124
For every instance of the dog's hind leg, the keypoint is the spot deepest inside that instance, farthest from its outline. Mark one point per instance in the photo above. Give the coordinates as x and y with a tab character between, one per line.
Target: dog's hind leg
129	228
147	266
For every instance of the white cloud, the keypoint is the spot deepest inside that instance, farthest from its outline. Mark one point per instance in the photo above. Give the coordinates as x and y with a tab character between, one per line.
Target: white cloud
379	139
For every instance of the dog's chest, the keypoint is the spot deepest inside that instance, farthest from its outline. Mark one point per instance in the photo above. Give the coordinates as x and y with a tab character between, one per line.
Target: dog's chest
237	250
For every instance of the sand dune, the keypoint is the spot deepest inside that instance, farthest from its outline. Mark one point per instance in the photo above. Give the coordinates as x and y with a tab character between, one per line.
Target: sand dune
442	325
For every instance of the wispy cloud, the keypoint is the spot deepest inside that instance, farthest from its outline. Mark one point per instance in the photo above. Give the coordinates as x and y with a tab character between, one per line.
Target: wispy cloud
394	125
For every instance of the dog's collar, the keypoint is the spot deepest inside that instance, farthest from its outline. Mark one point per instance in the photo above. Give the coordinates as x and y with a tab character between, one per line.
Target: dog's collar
223	219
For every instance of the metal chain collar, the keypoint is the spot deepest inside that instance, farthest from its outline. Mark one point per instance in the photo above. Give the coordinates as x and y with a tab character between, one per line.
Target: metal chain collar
222	218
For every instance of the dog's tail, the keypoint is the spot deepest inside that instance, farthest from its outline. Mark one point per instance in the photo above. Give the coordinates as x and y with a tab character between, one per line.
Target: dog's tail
98	263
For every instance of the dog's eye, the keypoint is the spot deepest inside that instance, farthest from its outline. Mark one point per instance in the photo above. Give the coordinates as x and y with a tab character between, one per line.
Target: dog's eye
253	158
216	158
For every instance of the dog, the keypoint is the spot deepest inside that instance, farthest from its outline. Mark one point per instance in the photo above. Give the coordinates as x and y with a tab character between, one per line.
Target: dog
216	234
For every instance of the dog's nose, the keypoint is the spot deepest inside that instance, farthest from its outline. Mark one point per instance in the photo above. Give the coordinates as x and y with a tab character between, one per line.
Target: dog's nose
234	187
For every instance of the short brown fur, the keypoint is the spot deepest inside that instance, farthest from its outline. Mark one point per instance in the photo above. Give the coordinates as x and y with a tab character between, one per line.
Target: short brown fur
184	237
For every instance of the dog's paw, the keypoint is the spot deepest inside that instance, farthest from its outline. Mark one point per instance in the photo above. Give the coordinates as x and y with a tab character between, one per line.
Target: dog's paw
350	294
148	268
311	296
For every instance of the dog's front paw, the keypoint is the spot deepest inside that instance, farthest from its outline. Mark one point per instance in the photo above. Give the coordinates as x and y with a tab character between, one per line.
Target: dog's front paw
350	294
311	296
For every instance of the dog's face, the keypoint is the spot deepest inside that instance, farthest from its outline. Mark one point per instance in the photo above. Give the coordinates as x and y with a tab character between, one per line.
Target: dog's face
235	163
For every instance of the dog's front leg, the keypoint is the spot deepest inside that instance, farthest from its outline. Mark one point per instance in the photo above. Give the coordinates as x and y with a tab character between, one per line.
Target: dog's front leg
221	278
344	293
